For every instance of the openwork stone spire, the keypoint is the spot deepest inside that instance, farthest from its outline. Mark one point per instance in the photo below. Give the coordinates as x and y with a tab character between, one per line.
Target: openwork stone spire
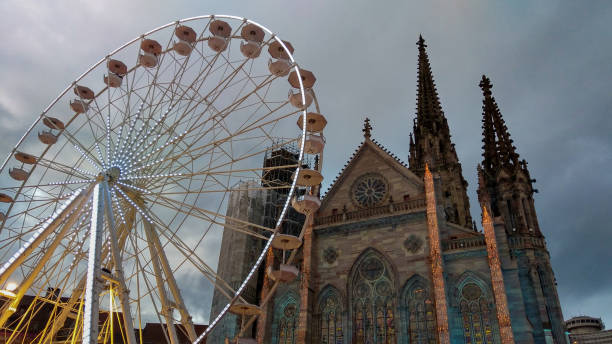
428	102
504	180
432	144
499	150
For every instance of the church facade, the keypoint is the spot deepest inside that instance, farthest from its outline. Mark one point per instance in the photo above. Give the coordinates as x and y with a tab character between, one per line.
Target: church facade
393	254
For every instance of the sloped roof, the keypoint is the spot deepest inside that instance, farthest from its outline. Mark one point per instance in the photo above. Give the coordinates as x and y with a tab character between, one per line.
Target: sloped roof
401	166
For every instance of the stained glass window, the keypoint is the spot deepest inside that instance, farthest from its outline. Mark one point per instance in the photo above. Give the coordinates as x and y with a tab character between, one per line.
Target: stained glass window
476	315
285	322
419	311
287	325
372	300
369	190
331	319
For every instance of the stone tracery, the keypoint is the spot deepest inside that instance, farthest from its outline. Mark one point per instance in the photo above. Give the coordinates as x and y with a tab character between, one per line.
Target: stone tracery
418	313
331	317
372	301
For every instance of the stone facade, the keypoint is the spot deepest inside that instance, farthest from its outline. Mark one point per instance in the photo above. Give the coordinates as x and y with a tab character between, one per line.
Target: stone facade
371	273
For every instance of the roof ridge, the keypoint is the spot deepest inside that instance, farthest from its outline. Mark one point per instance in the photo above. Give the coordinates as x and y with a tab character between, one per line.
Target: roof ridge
350	159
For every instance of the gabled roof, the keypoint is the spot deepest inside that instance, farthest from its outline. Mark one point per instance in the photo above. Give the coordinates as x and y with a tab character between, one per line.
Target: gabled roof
383	152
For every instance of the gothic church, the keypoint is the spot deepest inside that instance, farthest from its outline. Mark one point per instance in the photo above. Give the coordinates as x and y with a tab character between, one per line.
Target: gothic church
393	255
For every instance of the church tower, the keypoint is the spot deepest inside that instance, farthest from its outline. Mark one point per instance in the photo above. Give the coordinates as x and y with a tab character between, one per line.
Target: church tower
507	180
506	187
432	144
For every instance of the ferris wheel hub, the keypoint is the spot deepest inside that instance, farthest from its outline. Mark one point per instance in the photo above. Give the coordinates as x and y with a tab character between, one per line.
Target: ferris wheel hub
113	173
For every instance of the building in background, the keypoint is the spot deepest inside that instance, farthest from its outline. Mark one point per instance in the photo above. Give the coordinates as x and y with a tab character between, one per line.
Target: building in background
588	330
396	256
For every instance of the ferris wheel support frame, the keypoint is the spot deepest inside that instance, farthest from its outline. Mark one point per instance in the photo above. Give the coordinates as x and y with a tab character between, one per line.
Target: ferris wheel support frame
179	304
117	259
93	282
166	309
77	293
68	213
42	233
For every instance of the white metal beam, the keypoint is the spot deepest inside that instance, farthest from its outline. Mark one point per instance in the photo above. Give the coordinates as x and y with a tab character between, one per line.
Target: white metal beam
93	282
118	271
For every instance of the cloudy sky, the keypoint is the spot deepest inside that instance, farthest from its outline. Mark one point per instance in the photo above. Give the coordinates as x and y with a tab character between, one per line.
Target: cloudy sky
550	64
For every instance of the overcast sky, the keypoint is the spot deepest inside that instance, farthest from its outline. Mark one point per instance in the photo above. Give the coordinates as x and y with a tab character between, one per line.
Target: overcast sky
550	65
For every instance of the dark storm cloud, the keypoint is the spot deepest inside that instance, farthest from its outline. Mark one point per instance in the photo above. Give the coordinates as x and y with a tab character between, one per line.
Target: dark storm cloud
550	65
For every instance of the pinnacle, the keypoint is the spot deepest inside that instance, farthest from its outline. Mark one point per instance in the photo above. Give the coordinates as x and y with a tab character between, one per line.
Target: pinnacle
430	122
367	128
499	150
485	85
421	42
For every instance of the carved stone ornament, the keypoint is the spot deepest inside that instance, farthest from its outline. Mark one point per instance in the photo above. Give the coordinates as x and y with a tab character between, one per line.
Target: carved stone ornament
330	255
369	190
413	243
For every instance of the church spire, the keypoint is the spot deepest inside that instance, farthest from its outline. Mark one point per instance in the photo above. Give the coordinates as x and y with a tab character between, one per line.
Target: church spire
499	150
431	144
429	110
504	181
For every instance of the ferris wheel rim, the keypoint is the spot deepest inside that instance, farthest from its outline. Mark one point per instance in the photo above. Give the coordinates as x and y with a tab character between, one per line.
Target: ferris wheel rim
105	58
294	67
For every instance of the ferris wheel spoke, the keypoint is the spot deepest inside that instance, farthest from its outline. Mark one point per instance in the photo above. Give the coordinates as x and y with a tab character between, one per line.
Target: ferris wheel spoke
237	102
205	98
64	169
230	162
238	228
98	112
153	77
123	141
211	214
179	138
198	263
28	213
209	147
165	92
267	81
81	149
25	188
95	134
254	173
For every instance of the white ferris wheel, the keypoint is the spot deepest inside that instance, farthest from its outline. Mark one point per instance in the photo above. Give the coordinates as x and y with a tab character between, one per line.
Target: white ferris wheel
119	189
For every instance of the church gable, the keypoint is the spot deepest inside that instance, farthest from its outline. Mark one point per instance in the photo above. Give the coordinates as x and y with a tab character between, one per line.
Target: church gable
372	178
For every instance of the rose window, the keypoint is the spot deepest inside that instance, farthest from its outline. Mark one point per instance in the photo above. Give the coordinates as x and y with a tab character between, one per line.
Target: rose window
370	190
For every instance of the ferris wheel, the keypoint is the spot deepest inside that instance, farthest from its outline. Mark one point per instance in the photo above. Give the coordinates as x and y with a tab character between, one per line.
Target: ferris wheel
115	199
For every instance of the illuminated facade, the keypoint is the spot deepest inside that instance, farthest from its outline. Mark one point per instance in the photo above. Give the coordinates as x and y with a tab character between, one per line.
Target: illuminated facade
393	255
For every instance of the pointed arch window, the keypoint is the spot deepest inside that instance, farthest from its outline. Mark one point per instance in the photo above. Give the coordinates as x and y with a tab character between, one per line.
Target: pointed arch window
284	326
331	319
372	302
419	312
476	315
287	325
